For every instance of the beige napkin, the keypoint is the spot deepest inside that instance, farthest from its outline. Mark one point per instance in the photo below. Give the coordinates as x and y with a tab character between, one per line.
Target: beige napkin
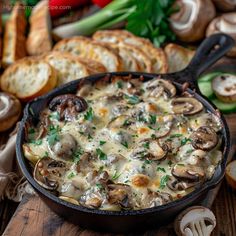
12	184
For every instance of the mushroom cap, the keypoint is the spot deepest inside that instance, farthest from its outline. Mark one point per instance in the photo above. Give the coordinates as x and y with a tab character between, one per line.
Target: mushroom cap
204	138
10	110
186	105
225	5
225	23
189	24
196	220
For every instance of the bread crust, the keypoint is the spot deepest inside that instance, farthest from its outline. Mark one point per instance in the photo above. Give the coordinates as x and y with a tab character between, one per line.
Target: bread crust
14	47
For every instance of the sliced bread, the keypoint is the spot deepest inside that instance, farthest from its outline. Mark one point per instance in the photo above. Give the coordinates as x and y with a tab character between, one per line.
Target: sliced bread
178	57
156	55
39	40
28	78
14	36
84	47
68	67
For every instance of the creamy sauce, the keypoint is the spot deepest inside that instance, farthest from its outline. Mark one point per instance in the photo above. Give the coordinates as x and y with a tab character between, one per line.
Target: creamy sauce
125	131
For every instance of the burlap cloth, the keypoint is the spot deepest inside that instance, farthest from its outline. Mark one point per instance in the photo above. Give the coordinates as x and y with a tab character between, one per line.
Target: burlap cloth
12	183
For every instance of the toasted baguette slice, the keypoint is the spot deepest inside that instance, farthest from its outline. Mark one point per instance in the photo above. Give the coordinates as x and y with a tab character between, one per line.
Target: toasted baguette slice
69	67
143	61
39	39
14	36
84	47
156	55
178	57
28	78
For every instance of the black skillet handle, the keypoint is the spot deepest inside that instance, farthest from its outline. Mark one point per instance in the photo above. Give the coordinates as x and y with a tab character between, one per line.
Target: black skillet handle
210	50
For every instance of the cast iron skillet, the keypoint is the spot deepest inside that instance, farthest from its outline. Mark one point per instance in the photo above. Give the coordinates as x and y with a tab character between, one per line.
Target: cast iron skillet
209	52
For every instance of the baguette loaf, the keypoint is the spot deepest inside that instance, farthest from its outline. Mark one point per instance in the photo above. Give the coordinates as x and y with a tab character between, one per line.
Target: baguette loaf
178	57
14	36
28	78
39	39
156	55
84	47
68	67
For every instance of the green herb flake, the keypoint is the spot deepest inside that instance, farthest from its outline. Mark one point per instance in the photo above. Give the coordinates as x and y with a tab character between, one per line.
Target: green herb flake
31	131
146	145
185	140
180	164
161	169
164	180
55	116
152	119
119	84
132	99
102	142
176	135
99	186
71	175
170	163
37	142
125	144
89	115
101	154
189	151
76	155
53	134
116	175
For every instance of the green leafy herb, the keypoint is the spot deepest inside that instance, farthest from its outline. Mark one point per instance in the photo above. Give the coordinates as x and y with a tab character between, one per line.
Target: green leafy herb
151	20
101	169
90	137
77	154
180	164
147	162
46	154
37	142
53	134
189	151
176	135
125	144
152	119
185	140
164	180
101	154
126	123
170	163
146	145
161	169
102	142
119	84
99	186
116	175
71	175
31	131
132	99
55	116
89	114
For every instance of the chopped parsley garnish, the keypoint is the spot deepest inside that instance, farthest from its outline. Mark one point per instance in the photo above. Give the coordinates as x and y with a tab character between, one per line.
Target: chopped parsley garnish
153	136
76	155
46	154
101	154
99	186
71	175
147	162
53	134
133	99
189	151
102	142
55	116
161	169
185	140
125	144
146	145
152	119
126	123
164	180
119	84
31	131
180	164
170	163
176	135
101	169
37	142
116	175
90	137
89	114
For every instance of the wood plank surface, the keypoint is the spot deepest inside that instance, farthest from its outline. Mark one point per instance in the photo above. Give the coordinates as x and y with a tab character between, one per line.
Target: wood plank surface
33	217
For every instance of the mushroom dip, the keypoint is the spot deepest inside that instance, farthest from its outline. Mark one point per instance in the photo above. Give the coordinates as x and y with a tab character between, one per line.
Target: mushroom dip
124	144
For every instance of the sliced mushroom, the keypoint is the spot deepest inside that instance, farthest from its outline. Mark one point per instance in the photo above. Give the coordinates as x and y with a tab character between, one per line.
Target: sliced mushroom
85	163
49	172
179	185
160	87
190	22
134	86
120	121
188	173
153	199
204	138
150	149
119	195
186	105
64	146
69	199
195	221
225	5
10	110
93	202
68	106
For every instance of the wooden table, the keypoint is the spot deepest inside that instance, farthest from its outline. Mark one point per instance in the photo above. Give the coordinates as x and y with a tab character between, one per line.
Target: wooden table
33	217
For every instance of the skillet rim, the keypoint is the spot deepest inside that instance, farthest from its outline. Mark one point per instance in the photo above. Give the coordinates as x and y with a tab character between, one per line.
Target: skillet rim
205	187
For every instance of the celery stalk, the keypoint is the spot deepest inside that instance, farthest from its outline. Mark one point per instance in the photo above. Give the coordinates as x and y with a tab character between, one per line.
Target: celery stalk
113	12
